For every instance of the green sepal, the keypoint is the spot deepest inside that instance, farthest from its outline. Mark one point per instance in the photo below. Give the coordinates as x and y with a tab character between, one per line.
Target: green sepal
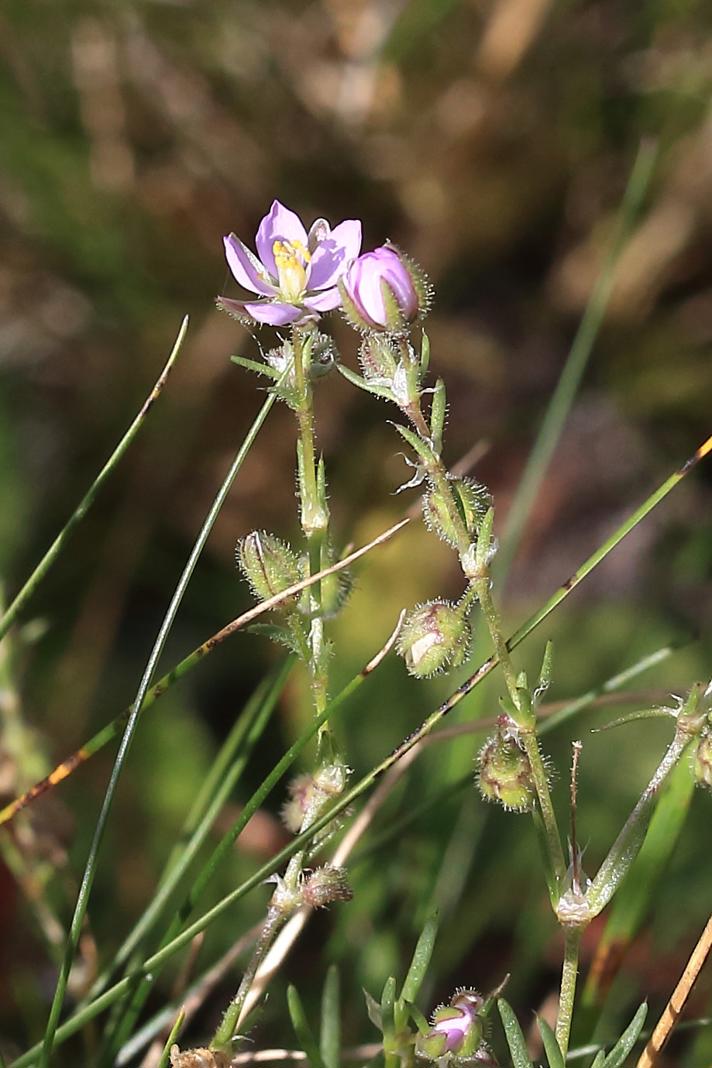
424	354
438	411
361	383
395	321
513	1033
484	541
417	1017
628	1039
551	1046
257	368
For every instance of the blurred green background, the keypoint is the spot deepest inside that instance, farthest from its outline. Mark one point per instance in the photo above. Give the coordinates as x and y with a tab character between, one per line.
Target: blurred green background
492	139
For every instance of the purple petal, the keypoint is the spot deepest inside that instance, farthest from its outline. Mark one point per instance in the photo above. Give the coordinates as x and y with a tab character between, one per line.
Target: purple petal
325	301
333	254
279	224
246	268
274	314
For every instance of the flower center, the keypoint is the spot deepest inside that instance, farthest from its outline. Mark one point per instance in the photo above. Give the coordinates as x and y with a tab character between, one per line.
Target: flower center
291	260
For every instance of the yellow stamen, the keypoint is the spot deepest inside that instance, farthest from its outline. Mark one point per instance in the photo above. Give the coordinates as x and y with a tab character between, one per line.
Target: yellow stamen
291	259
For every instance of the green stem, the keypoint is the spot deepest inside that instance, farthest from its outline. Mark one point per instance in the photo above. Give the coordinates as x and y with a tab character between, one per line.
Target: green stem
569	973
223	1037
436	470
526	721
87	500
314	515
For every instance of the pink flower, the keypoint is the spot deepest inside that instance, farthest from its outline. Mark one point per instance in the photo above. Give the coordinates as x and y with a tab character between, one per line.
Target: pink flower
295	277
382	290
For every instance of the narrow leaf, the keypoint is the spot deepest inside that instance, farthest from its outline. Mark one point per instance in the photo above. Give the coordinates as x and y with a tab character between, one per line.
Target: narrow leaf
416	443
513	1034
599	1059
551	1046
388	998
256	367
330	1035
628	1039
175	1031
544	675
417	1017
421	959
361	383
302	1029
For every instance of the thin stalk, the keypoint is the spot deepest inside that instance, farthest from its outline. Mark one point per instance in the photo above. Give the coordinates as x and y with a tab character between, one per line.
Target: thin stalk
122	754
28	589
222	1040
569	974
527	722
563	396
74	1023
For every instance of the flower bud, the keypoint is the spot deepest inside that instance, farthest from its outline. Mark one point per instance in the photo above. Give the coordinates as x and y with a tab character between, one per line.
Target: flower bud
472	501
702	761
384	290
309	793
457	1031
325	885
269	565
379	359
435	636
504	773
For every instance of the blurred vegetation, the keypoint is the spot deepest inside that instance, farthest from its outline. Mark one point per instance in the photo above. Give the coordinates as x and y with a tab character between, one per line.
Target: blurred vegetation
492	139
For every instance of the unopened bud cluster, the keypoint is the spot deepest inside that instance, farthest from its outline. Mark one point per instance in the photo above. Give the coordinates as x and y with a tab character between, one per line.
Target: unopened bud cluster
435	636
310	793
504	773
456	1033
269	564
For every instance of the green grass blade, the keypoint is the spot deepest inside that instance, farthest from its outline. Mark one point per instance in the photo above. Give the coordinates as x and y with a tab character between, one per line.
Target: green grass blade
616	1058
302	1029
330	1033
513	1033
164	630
421	959
563	396
175	1031
28	589
222	780
551	1046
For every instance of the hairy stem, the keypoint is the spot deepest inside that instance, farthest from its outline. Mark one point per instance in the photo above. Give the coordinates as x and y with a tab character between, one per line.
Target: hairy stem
526	721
